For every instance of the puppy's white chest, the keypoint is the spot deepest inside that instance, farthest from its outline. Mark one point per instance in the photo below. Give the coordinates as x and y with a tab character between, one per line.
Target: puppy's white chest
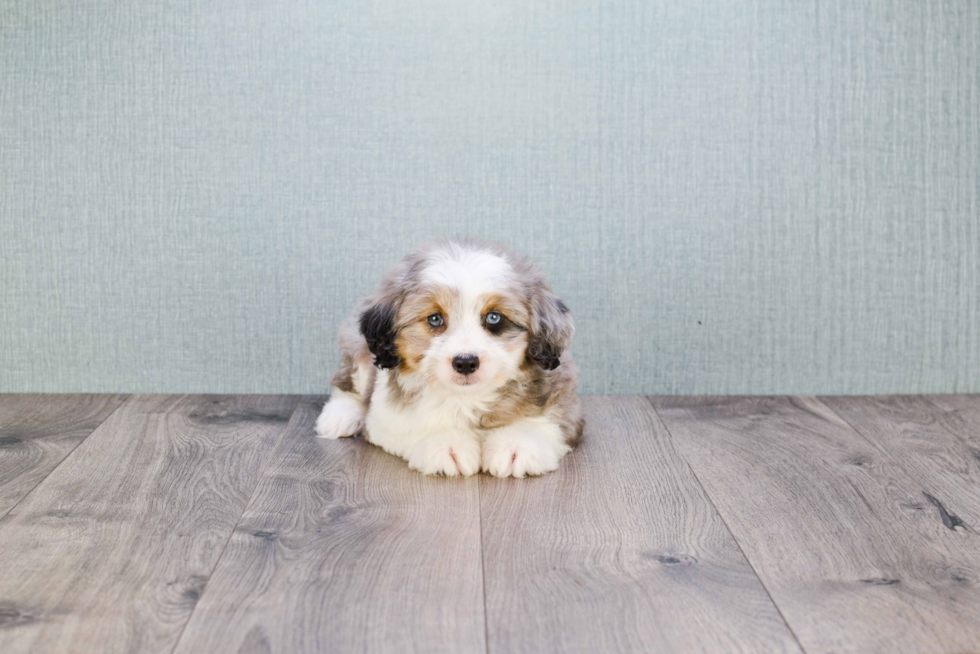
396	422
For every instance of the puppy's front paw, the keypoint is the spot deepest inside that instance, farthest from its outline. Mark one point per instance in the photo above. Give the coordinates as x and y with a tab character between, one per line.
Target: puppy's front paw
439	456
512	452
341	417
517	460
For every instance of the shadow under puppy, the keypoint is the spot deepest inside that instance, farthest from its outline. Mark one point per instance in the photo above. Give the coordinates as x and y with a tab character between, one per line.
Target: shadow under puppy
456	364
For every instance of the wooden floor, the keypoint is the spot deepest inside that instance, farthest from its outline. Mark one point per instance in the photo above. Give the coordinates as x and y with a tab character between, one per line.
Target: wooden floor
219	524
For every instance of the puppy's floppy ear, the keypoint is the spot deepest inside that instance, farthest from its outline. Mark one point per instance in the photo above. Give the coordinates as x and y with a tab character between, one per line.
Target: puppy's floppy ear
551	329
377	324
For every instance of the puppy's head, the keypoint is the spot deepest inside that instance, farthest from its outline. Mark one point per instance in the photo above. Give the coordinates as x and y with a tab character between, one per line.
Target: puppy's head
465	316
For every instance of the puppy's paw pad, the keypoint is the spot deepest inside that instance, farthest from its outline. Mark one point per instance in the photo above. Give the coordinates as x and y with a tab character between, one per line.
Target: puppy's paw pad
341	417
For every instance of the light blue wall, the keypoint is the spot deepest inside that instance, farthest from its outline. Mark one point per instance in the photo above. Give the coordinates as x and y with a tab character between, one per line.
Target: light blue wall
733	196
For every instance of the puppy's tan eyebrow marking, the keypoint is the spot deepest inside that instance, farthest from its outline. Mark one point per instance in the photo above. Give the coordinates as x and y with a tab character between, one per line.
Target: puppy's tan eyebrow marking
423	302
493	301
444	300
506	306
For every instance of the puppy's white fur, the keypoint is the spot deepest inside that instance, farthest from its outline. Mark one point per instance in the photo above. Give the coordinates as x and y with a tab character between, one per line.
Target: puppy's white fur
342	416
516	415
532	446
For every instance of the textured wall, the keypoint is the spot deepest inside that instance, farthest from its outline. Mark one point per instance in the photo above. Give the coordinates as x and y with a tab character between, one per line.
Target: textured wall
733	196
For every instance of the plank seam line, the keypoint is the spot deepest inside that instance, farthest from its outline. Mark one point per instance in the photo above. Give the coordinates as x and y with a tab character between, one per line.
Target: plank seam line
911	476
867	439
483	567
65	458
714	505
231	534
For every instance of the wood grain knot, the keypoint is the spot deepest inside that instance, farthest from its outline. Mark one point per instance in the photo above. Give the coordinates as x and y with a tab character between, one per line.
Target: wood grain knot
231	418
11	617
265	535
672	559
881	581
950	520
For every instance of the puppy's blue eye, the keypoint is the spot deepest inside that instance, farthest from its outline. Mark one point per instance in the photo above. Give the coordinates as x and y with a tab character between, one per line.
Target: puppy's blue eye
435	320
493	318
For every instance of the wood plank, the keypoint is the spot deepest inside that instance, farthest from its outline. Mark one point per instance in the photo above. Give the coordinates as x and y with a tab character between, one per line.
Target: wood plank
110	552
967	405
961	416
931	443
38	431
619	550
343	548
853	554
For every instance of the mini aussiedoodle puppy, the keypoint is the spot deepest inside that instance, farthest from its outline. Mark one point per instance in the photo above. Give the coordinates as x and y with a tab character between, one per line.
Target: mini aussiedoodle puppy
457	364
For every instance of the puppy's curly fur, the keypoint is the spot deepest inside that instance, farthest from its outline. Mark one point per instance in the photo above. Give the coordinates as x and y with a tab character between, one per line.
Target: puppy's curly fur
458	363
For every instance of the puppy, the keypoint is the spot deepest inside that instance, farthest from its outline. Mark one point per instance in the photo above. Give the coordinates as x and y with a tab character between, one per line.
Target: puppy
457	364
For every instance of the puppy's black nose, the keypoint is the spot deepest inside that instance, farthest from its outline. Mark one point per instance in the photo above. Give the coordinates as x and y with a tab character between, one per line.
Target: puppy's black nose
466	364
